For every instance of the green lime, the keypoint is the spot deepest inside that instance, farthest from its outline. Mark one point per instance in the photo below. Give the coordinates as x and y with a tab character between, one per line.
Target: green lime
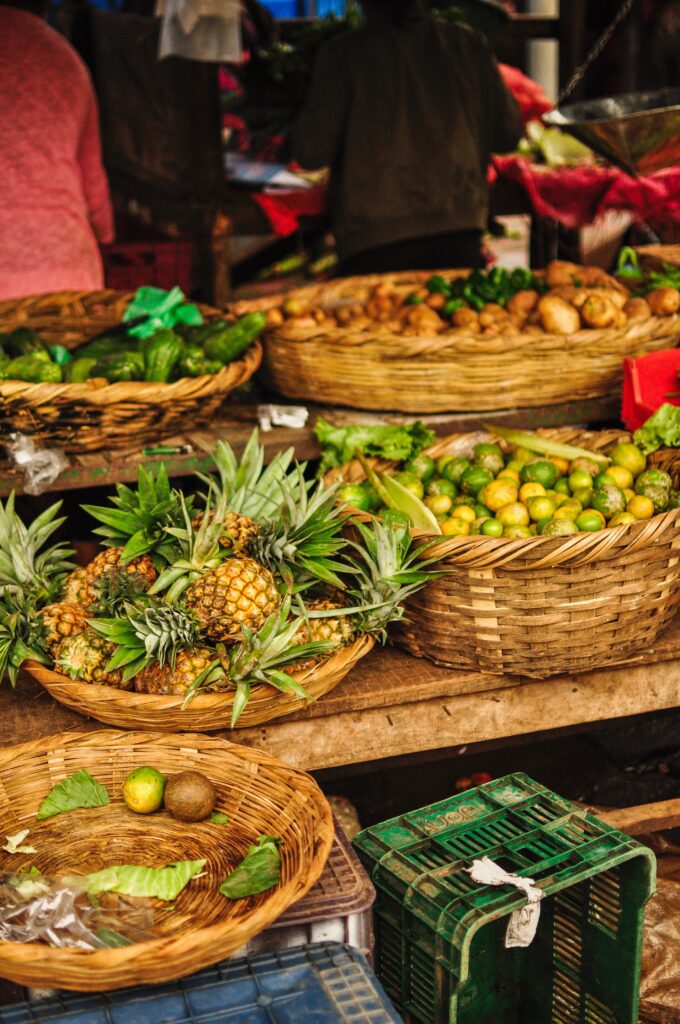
541	508
558	528
609	500
579	479
440	504
476	527
588	522
491	528
562	486
474	479
355	495
653	478
674	500
396	520
143	790
482	510
603	478
542	523
442	461
513	532
374	499
422	465
454	469
411	482
439	486
489	457
540	471
583	495
463	499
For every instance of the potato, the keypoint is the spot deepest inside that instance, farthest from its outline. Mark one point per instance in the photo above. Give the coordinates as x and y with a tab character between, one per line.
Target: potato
466	318
436	301
560	273
598	311
637	310
621	319
293	308
274	318
664	301
522	302
492	314
557	316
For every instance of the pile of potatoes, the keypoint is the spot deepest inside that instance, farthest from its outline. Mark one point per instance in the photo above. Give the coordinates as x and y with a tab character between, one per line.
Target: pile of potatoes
577	298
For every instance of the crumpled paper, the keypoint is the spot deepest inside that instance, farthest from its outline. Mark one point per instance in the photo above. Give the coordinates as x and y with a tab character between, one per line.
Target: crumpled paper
205	30
270	416
40	466
522	923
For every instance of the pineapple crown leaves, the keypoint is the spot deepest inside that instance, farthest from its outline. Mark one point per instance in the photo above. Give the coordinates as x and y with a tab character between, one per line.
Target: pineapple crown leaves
24	567
261	657
138	523
22	636
115	590
303	542
198	550
147	635
247	487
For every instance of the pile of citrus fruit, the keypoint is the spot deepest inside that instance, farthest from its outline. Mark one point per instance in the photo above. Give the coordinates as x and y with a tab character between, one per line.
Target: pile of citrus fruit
524	495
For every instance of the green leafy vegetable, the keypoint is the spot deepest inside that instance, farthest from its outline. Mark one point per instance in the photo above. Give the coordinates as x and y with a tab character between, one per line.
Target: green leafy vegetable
135	880
259	870
396	443
217	818
78	790
661	430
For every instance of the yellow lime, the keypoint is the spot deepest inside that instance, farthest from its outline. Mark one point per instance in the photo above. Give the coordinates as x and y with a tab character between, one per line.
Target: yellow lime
640	507
467	514
630	457
455	527
522	455
561	464
629	493
623	478
143	790
583	494
579	478
622	519
498	493
512	474
491	528
558	528
541	508
440	504
560	499
589	522
527	491
513	514
515	465
568	511
512	532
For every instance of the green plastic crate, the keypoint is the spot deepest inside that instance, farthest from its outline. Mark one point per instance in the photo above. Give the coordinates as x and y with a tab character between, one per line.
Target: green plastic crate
440	950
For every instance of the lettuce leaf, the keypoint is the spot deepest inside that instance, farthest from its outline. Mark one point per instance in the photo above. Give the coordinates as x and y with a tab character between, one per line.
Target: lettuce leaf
78	790
259	870
662	430
135	880
396	443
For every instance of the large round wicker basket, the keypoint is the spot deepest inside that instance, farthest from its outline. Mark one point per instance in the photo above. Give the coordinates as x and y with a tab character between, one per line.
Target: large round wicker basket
444	372
207	712
95	414
258	794
547	605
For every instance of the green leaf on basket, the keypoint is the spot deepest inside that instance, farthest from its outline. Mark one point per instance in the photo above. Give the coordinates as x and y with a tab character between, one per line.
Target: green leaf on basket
217	818
259	870
135	880
111	939
76	791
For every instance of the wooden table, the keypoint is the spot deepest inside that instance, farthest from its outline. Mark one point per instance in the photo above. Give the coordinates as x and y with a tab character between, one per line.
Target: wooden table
104	468
393	704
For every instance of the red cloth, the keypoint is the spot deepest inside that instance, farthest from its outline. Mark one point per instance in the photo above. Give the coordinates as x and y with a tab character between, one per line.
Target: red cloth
528	95
284	209
576	196
54	196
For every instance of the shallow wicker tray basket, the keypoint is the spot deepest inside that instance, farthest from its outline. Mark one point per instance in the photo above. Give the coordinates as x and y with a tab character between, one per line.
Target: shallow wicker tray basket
207	712
444	373
259	794
92	415
547	605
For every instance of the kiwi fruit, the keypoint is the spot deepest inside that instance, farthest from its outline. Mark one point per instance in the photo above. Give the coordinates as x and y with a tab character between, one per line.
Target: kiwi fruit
190	796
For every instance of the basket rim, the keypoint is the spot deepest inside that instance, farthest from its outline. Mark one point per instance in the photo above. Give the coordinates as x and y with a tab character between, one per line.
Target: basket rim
14	953
91	696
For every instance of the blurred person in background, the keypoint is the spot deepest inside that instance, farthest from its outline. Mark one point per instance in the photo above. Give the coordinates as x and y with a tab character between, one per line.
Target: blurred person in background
405	112
54	195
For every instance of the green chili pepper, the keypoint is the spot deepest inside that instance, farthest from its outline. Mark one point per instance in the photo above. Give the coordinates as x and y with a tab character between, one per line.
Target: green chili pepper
60	355
414	300
628	264
437	285
452	306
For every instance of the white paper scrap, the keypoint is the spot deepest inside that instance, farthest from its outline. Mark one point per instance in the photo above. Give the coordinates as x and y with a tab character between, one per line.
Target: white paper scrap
523	923
13	843
282	416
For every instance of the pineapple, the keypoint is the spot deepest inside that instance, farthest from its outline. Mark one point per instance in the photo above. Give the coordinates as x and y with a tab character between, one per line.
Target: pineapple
61	620
237	531
164	679
239	593
337	630
109	560
78	588
152	636
85	657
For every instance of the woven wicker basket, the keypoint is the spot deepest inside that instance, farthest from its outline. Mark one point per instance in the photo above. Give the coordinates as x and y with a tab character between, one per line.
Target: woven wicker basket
542	606
206	712
652	257
93	415
260	796
443	373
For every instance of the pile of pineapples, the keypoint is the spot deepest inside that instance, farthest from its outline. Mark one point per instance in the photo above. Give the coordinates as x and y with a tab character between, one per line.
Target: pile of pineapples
253	580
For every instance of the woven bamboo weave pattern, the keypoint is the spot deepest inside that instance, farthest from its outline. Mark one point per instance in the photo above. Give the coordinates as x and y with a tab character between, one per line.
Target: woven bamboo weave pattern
207	712
260	796
547	605
95	414
445	372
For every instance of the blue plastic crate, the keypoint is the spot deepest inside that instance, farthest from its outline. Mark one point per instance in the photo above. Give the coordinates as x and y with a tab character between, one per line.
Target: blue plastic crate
326	983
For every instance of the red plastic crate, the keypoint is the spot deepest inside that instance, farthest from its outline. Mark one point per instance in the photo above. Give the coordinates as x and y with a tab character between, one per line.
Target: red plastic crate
646	382
129	265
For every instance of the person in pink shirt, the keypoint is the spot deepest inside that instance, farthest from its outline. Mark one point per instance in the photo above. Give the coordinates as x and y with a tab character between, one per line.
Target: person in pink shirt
54	195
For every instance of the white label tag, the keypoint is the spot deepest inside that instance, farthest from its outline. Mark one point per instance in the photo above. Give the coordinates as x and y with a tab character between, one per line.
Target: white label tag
523	923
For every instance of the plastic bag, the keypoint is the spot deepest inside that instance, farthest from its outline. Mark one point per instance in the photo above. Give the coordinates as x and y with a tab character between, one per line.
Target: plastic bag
40	466
163	309
58	912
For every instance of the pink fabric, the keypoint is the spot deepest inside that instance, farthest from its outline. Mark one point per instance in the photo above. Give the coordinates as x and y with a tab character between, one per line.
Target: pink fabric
528	95
54	196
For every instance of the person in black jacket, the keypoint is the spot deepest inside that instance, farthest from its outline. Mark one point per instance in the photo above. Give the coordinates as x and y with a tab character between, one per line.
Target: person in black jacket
406	112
